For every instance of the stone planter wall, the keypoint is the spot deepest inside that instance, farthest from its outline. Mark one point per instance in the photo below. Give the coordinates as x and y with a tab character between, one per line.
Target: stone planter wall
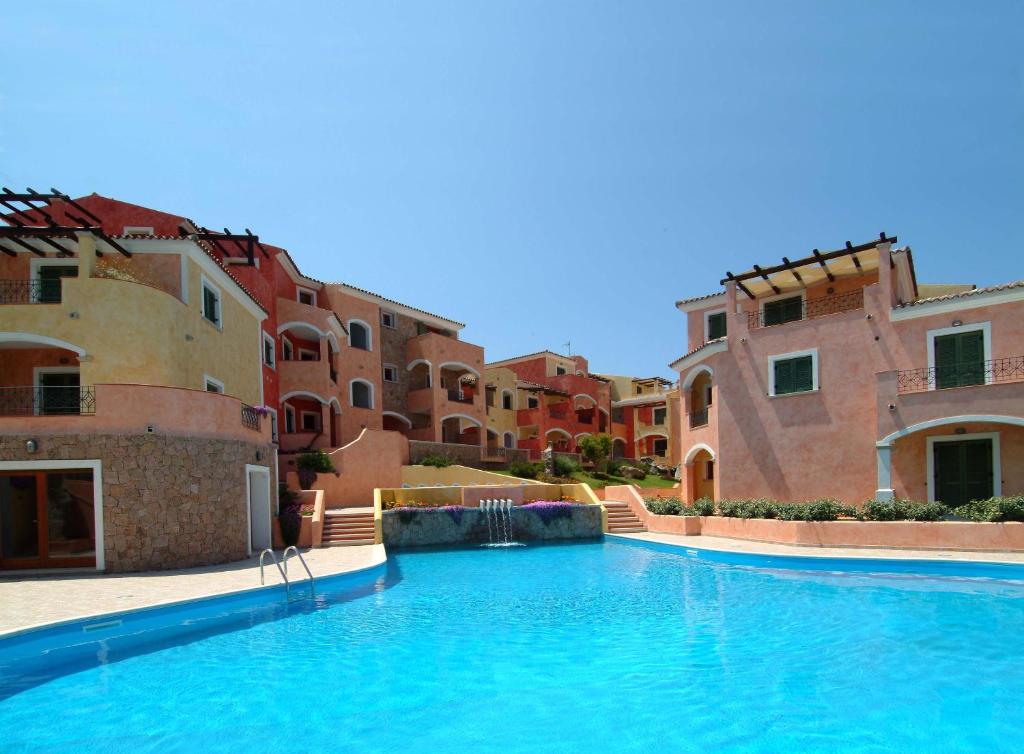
420	527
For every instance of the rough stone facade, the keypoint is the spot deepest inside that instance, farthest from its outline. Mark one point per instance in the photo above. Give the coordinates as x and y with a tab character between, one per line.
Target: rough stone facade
392	347
168	502
421	527
465	455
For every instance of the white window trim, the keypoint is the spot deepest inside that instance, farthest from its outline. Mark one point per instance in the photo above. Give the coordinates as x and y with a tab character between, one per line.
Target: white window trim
290	418
562	373
802	293
287	349
369	333
38	372
36	262
997	467
812	352
512	393
275	430
707	321
268	339
316	354
302	424
394	319
384	373
204	284
504	440
137	230
300	290
931	335
351	396
94	465
654	416
208	380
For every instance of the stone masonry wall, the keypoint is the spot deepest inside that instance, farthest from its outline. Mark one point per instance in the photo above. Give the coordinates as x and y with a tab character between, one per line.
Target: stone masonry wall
392	346
168	502
421	527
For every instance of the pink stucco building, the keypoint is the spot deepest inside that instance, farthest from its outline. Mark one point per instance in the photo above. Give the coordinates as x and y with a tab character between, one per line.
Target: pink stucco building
838	375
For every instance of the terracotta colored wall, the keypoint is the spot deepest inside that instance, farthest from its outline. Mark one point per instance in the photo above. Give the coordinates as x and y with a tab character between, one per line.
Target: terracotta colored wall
374	459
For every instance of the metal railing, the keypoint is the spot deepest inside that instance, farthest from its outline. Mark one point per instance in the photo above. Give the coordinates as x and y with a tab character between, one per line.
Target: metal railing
811	308
1009	369
698	418
250	417
29	291
284	570
47	401
508	455
312	581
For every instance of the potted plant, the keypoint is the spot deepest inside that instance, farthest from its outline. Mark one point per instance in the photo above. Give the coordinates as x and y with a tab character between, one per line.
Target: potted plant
289	515
311	464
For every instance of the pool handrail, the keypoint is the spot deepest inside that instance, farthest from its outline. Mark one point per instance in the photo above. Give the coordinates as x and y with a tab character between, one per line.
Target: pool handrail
284	574
312	581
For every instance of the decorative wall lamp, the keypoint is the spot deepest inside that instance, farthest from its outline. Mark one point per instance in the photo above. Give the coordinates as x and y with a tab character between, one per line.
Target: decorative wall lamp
31	446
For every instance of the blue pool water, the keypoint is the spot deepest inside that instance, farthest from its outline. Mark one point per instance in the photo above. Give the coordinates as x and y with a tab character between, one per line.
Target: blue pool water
597	647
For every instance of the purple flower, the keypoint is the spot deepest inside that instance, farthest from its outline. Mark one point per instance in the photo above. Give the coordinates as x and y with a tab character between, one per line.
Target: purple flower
549	510
455	511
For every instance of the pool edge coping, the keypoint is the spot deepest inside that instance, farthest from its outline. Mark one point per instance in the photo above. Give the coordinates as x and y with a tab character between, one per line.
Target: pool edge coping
379	559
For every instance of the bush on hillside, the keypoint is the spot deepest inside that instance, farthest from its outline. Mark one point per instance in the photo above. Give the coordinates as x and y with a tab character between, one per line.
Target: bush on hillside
564	466
524	469
436	460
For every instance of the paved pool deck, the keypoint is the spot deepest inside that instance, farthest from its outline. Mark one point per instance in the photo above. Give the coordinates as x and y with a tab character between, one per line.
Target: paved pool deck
28	601
724	544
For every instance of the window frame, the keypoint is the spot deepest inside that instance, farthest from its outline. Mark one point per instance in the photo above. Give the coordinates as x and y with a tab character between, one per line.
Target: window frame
204	285
532	402
316	421
315	354
815	382
351	393
369	334
560	370
986	343
208	380
387	313
511	399
802	294
299	290
287	349
654	415
268	340
384	372
290	422
707	322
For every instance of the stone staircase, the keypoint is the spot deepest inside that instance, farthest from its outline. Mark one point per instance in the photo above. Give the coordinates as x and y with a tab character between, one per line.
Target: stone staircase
621	518
348	526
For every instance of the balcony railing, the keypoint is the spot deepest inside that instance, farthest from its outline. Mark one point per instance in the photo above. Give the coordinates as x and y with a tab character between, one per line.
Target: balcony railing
1009	369
47	401
698	418
809	309
458	396
250	417
30	291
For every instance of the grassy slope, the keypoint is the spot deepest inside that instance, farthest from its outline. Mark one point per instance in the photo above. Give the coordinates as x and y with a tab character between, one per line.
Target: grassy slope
598	484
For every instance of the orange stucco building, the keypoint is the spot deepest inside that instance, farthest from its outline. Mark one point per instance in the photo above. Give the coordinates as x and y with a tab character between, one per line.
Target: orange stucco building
838	375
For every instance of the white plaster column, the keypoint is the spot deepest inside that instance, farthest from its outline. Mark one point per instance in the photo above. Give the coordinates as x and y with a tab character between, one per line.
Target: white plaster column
884	491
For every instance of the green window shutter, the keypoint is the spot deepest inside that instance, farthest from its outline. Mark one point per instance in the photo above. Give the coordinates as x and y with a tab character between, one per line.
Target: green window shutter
792	309
946	361
794	375
972	358
716	326
783	377
773	313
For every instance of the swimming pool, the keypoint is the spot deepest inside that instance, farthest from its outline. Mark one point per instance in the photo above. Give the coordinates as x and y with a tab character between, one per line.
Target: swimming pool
603	646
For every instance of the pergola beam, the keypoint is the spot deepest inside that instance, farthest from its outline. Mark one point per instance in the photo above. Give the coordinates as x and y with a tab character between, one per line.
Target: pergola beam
796	274
729	276
821	260
767	279
817	256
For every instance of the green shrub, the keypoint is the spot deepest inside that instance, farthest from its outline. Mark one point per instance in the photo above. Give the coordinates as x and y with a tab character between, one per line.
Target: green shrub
614	466
901	510
704	507
994	509
317	461
436	460
600	475
524	469
596	449
564	466
817	510
664	506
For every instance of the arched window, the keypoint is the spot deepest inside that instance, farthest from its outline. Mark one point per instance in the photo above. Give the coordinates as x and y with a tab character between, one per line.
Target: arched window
509	440
361	394
359	335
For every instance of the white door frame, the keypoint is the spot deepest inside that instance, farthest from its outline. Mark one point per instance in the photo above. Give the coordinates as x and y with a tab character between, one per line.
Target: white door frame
997	482
251	469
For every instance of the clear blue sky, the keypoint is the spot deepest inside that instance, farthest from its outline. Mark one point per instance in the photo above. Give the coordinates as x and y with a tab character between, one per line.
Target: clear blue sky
541	170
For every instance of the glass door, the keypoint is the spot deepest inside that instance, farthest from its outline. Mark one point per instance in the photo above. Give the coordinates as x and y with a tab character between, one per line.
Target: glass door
47	519
60	393
19	519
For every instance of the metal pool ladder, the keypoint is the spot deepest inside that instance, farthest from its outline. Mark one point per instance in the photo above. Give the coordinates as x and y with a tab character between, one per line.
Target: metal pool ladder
284	571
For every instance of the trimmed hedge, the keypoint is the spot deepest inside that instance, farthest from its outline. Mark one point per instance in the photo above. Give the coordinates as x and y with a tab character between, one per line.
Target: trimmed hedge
827	509
995	509
902	510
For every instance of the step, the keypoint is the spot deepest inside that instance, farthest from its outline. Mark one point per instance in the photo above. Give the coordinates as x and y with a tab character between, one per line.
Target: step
347	543
348	537
368	530
618	529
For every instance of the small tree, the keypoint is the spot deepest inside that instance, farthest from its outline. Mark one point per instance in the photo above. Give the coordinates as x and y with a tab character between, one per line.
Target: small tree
596	449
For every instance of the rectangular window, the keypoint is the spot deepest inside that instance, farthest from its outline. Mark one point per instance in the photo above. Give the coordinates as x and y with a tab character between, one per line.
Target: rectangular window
707	395
716	326
709	470
506	401
532	402
559	370
793	374
783	310
659	415
273	426
211	303
289	420
390	373
48	285
269	355
960	359
387	319
310	421
306	355
286	349
212	385
306	297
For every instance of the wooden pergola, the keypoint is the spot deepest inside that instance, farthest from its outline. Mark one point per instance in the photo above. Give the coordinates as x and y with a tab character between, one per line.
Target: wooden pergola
24	213
818	267
227	242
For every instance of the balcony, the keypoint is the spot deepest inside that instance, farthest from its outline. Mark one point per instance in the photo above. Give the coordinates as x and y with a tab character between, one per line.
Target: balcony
808	309
558	410
1009	369
457	396
699	418
30	292
47	401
